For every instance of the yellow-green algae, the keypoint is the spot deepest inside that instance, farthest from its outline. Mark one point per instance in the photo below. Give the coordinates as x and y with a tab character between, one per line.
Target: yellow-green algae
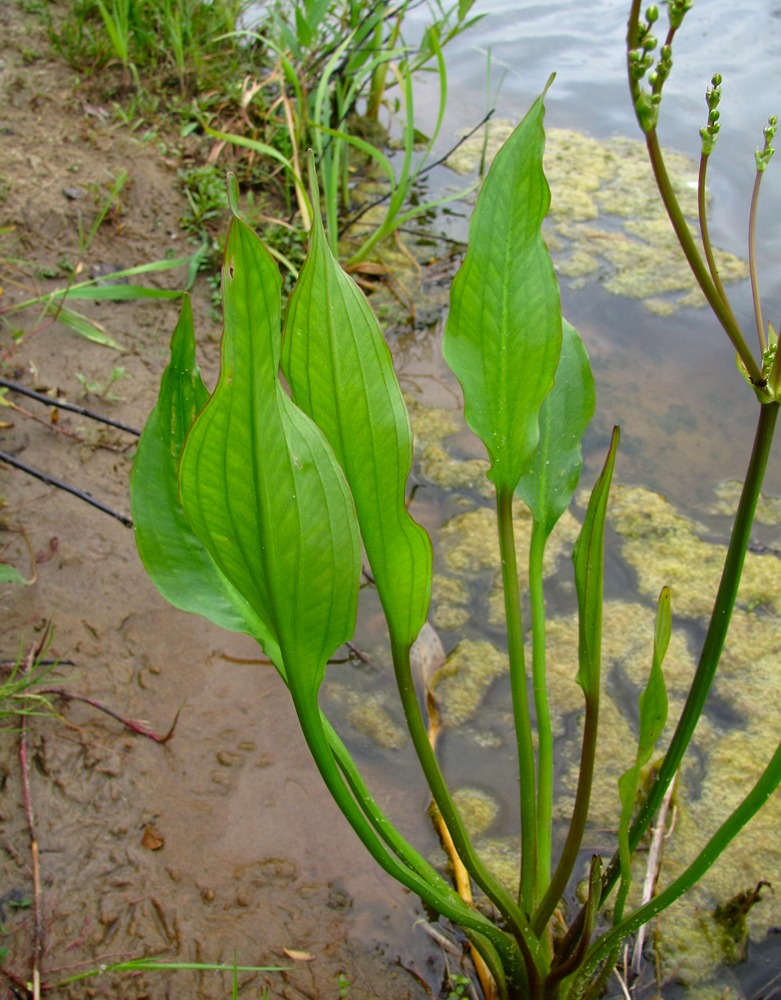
627	643
469	542
502	857
450	602
726	503
665	548
477	808
369	715
607	221
438	466
726	756
430	424
461	685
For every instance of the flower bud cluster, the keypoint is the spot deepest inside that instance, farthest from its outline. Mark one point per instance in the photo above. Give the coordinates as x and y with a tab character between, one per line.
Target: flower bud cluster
677	10
763	155
640	58
662	71
709	133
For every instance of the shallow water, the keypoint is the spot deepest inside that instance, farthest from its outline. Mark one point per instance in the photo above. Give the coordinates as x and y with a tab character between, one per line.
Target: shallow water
655	375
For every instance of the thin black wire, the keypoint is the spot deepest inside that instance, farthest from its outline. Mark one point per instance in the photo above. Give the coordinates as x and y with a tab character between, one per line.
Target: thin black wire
70	407
51	481
429	167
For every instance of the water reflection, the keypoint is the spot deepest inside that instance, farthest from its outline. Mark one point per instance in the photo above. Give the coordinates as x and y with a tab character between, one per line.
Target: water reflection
686	415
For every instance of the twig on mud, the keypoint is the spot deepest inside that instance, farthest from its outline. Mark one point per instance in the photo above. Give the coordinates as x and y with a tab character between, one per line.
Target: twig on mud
652	870
35	651
51	481
134	725
62	430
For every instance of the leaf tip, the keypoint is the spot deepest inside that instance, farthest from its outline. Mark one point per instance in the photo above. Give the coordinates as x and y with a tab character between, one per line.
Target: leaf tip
232	185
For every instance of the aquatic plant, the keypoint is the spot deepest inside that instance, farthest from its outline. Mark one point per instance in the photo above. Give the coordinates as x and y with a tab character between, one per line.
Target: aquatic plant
252	507
325	93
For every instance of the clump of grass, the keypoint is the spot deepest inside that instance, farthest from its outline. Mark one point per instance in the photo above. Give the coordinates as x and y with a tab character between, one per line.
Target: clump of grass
204	188
185	45
20	684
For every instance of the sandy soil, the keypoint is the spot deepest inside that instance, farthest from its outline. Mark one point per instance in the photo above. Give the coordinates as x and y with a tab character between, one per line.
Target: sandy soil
222	842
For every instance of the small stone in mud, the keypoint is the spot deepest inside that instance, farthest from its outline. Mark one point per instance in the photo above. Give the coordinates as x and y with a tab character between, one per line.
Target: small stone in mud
151	839
266	760
207	895
338	899
227	758
243	898
112	766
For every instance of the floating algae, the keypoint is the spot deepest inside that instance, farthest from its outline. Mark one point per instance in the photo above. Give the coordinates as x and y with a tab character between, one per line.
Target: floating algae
463	682
438	466
368	715
667	549
726	503
450	599
607	222
470	545
477	808
430	424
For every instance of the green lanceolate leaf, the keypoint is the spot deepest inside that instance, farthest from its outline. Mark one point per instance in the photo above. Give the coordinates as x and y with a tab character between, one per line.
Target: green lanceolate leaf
589	560
261	487
653	701
180	567
550	480
503	334
653	711
340	372
653	716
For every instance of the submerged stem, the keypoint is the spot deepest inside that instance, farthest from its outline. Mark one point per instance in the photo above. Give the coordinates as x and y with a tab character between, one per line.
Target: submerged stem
542	708
488	882
751	804
520	699
716	634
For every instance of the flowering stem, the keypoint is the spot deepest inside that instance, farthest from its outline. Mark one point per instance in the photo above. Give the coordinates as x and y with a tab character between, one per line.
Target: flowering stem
702	214
723	313
752	261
